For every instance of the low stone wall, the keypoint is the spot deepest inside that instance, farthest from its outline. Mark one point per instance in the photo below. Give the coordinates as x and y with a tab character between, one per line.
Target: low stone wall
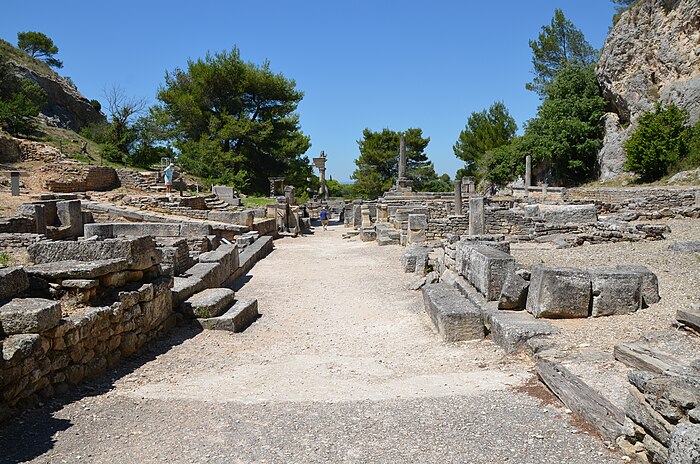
14	242
639	198
82	178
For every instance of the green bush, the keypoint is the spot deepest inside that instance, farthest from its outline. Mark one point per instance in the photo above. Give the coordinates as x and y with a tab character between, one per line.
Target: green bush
659	142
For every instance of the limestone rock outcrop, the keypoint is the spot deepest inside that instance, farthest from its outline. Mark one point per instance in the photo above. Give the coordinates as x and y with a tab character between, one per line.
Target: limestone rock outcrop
651	55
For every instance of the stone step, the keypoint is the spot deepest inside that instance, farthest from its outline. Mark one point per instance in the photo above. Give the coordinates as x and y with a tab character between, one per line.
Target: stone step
210	302
455	317
243	313
511	330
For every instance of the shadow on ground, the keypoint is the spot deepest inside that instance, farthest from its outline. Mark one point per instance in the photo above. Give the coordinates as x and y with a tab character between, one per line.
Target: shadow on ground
32	433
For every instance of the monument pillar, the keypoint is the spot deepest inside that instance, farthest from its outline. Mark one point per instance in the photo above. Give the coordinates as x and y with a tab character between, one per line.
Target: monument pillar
528	174
458	197
476	216
402	157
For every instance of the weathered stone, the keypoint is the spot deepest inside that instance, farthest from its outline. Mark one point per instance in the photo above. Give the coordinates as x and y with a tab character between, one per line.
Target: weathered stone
563	214
80	284
454	316
243	313
244	218
210	302
69	214
512	330
684	445
13	281
643	414
414	259
226	255
656	452
514	292
22	346
559	293
139	253
211	274
368	234
477	219
76	269
686	247
615	292
689	317
650	283
29	315
488	270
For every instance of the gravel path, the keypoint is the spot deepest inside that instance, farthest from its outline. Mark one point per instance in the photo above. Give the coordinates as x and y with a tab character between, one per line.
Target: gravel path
343	366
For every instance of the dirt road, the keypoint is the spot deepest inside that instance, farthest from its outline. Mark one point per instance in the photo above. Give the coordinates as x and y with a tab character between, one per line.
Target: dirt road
343	366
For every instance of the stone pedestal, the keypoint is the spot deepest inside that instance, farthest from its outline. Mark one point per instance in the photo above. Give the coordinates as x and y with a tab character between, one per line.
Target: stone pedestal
476	216
366	220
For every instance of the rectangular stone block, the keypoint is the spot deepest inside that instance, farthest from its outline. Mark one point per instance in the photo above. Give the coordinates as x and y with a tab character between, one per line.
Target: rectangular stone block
210	302
60	270
195	229
69	214
615	292
226	255
559	293
510	331
29	315
417	221
477	220
13	281
488	270
650	283
454	316
243	313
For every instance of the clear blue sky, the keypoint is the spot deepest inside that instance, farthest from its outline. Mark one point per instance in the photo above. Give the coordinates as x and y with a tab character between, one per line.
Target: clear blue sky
360	63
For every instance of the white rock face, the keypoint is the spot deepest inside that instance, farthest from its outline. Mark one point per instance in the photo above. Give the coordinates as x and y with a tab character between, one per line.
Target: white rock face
651	55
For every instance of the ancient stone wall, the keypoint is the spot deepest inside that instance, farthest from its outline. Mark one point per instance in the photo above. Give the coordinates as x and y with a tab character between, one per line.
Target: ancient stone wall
15	242
639	198
80	178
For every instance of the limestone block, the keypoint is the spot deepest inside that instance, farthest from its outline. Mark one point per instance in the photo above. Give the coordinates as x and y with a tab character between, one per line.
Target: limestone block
643	414
565	214
69	214
414	259
139	253
79	284
510	331
615	292
514	292
29	315
194	229
243	313
368	234
650	283
559	293
210	302
477	219
211	274
13	280
17	347
488	270
417	221
76	269
226	255
454	316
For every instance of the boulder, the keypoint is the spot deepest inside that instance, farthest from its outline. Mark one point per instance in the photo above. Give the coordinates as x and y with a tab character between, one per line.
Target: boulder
13	281
559	293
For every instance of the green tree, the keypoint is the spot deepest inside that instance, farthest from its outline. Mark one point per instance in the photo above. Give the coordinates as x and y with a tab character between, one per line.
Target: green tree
122	135
485	130
235	122
504	163
20	100
568	131
378	163
39	45
658	142
559	44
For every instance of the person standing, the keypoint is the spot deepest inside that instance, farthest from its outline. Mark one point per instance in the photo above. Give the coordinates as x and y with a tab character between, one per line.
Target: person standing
324	217
168	177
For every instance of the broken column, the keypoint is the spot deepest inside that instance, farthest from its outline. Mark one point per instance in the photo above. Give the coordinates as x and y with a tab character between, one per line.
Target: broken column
476	216
366	220
357	214
458	197
528	174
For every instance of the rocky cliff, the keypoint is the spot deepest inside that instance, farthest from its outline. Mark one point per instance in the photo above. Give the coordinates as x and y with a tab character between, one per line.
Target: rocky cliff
66	107
651	55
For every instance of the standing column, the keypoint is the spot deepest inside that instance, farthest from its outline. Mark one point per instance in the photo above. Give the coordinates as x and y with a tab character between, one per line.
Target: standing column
476	216
528	174
458	197
402	157
14	179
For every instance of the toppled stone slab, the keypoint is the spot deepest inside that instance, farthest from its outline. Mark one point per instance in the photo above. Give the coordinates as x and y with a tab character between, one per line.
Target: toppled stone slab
514	292
559	293
77	269
643	414
139	253
210	302
29	315
226	255
686	247
488	270
615	292
685	444
454	316
512	330
13	281
689	317
414	259
243	313
563	214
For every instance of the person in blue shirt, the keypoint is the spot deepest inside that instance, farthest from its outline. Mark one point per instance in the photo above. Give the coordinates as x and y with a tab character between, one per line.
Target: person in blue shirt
324	217
168	177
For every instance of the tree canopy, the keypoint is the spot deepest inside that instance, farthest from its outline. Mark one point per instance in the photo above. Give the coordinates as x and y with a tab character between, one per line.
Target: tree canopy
235	122
39	45
485	130
20	100
378	163
560	43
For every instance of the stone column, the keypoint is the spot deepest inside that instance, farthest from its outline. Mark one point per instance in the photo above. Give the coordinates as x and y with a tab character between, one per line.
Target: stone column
366	221
14	177
528	174
476	216
402	157
458	197
357	214
544	192
272	188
